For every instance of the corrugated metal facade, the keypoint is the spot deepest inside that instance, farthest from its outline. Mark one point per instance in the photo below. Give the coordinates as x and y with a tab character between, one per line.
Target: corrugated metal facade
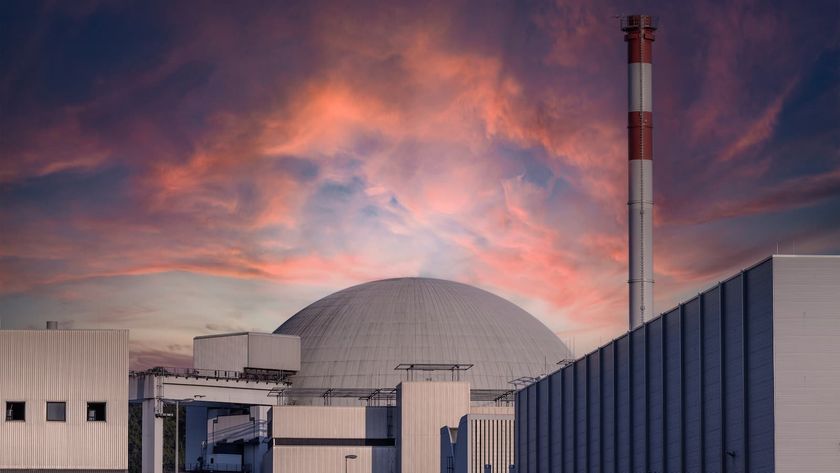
332	460
479	440
274	351
678	394
425	407
317	438
227	353
72	366
335	422
807	364
490	440
236	351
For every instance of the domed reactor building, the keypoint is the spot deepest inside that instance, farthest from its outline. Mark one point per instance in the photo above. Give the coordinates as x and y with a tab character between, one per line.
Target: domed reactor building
355	338
408	375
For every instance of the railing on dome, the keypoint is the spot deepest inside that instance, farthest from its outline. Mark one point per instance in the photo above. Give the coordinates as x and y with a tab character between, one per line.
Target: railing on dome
523	381
388	396
499	396
373	396
377	396
454	368
248	374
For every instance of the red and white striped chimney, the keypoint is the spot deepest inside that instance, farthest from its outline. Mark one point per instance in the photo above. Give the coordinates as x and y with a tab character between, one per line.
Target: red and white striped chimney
639	33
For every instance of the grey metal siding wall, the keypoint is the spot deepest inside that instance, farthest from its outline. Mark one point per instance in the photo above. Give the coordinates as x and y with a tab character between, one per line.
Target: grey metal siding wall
568	420
543	432
580	402
806	327
532	427
71	366
555	384
638	380
623	394
711	380
520	435
759	337
733	386
593	412
671	396
673	392
656	402
608	430
489	439
692	415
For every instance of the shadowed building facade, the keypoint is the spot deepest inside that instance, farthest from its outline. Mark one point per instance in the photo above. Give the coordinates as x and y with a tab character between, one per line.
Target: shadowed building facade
745	377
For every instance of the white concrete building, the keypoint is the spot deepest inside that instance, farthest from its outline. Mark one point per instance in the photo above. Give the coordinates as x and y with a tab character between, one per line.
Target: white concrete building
405	437
381	368
65	400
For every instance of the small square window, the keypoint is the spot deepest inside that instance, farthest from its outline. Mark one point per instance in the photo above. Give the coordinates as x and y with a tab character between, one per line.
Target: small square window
96	412
56	411
15	411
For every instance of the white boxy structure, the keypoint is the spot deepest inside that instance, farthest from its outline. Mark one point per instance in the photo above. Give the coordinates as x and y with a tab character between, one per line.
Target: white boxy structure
64	395
238	351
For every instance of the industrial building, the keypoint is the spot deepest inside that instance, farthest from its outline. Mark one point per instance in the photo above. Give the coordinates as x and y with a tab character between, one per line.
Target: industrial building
743	377
418	375
64	395
368	376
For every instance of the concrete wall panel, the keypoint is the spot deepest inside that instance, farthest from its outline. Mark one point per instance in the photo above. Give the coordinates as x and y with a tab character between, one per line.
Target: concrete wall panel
236	351
806	330
335	422
271	351
426	407
76	367
225	353
332	459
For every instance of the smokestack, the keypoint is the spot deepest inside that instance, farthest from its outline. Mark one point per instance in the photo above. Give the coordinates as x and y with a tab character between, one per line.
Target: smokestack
52	325
639	33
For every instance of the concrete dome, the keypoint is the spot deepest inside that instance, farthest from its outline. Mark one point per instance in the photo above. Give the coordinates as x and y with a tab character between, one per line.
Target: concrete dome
355	338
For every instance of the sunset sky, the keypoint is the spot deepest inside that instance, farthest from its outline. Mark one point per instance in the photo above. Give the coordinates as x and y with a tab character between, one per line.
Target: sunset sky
187	168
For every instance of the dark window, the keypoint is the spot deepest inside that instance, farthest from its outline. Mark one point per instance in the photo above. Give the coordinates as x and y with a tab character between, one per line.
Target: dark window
57	411
16	411
96	411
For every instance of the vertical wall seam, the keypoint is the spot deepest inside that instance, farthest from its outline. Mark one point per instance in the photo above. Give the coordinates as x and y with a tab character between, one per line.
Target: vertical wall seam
682	388
721	291
745	370
702	308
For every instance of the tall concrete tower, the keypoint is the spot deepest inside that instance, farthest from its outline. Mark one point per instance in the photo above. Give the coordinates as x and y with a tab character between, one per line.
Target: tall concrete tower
639	33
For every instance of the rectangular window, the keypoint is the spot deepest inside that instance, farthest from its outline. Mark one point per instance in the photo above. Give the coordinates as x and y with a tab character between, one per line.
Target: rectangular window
96	412
15	411
56	411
